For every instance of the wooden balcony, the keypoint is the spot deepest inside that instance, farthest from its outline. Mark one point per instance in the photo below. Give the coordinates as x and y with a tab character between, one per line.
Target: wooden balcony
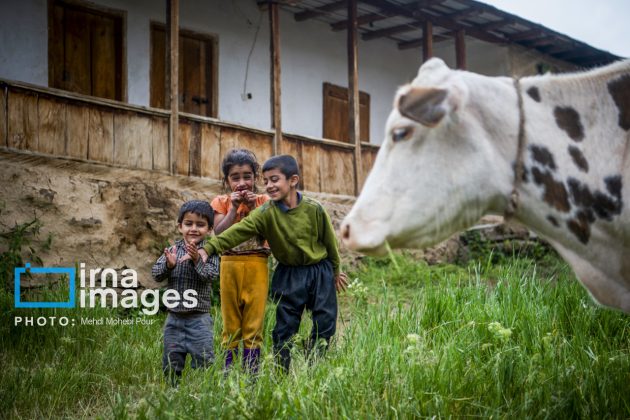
63	124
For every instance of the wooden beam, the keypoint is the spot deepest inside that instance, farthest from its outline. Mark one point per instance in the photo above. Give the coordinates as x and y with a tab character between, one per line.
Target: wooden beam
322	10
579	52
353	93
559	48
361	20
415	43
491	26
172	37
545	40
379	33
274	49
463	14
460	49
521	36
412	11
426	4
427	40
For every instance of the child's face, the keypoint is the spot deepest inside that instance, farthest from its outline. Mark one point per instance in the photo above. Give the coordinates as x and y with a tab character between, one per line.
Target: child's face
278	186
241	178
193	228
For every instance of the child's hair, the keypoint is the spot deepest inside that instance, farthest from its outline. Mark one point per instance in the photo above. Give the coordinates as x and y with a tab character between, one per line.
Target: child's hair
284	163
239	157
199	207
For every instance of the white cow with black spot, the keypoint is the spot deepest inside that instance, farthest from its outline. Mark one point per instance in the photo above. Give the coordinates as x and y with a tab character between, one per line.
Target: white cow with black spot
552	151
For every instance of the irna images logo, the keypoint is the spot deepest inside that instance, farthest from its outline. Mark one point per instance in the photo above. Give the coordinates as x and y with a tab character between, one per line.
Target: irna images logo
19	273
99	286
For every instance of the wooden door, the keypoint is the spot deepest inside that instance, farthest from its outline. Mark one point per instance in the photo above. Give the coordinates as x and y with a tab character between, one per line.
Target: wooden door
336	125
197	71
85	53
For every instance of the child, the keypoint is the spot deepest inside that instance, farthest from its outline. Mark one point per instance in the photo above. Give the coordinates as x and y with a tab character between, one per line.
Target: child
244	275
303	241
188	329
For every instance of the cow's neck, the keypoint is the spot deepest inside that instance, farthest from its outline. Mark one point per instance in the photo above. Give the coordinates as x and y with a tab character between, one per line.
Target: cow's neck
573	179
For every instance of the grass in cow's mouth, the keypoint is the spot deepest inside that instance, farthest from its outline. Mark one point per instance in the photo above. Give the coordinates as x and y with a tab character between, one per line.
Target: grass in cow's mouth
520	338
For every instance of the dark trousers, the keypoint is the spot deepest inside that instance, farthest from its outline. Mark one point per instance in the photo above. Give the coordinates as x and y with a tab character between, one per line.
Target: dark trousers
297	288
187	334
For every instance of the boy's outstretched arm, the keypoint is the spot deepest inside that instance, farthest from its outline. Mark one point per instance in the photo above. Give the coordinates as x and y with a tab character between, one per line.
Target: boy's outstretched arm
236	234
209	268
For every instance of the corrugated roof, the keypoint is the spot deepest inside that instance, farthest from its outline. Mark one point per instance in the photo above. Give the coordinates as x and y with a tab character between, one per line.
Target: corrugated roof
401	22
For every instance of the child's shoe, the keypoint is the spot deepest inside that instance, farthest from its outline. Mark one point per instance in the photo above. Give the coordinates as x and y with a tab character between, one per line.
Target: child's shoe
251	359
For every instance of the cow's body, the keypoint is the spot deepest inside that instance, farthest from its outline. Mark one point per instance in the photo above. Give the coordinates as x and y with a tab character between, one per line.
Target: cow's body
450	155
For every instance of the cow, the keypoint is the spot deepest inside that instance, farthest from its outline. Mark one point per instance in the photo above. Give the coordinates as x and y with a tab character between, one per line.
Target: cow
551	151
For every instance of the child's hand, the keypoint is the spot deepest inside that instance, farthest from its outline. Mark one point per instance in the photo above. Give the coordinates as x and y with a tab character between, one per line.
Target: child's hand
193	253
171	257
203	254
341	282
249	198
237	199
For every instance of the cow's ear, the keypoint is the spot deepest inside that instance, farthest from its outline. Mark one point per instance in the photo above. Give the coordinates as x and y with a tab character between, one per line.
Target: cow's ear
424	105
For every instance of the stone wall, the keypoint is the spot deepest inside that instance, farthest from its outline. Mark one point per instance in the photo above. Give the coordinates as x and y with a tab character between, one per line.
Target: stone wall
105	216
111	217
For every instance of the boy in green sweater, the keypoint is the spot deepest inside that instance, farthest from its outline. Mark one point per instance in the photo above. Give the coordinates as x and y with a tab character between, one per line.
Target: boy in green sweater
302	239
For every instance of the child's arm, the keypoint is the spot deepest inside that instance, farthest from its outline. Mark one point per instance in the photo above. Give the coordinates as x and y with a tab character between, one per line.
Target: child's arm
208	269
224	221
165	264
238	233
329	239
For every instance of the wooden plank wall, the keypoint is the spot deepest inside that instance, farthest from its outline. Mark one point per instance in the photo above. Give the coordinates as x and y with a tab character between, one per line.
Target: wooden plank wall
3	115
59	125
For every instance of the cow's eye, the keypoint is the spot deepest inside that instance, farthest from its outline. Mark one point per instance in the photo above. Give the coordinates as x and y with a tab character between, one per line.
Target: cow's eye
401	133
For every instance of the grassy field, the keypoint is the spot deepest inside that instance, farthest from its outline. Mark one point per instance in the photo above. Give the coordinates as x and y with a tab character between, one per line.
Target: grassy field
506	338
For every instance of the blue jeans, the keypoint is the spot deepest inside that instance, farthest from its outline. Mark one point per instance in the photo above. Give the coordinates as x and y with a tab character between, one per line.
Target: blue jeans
187	334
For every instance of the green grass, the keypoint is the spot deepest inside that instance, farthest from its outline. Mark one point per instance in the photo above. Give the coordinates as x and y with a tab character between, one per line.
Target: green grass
516	339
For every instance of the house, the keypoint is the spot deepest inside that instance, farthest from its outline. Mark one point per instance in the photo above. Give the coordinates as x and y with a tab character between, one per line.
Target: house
92	80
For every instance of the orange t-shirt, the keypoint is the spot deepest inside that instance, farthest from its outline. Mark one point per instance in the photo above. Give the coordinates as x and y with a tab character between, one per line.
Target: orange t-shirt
256	245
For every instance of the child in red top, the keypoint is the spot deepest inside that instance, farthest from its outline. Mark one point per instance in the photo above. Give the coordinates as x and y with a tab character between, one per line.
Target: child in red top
244	278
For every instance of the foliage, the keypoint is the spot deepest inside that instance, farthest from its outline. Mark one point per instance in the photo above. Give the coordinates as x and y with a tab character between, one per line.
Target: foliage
517	339
18	246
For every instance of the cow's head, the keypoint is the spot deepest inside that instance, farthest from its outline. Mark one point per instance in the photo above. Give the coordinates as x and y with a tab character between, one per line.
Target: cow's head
439	168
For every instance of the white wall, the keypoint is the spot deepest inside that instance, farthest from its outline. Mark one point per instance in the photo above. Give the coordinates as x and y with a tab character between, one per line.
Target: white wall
311	54
24	41
481	57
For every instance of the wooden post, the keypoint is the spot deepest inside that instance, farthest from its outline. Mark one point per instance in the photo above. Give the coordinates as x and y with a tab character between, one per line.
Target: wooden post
353	94
172	59
427	40
460	49
276	104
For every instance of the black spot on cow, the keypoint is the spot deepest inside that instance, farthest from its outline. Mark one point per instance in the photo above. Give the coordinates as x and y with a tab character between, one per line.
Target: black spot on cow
593	204
613	185
554	192
580	193
580	226
619	89
578	158
543	156
568	119
553	221
534	93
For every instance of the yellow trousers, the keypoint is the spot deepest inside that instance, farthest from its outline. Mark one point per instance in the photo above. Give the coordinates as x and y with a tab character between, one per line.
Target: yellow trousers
244	283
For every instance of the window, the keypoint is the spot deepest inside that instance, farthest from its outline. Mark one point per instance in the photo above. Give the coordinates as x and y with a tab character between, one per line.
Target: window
197	71
85	50
336	125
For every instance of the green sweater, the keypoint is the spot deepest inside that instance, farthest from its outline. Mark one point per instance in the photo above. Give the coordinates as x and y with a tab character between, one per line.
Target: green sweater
300	236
